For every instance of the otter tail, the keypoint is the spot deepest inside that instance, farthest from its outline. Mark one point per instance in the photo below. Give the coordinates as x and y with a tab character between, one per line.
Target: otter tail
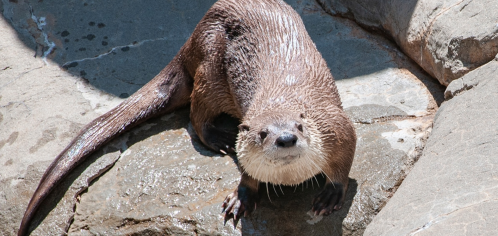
169	90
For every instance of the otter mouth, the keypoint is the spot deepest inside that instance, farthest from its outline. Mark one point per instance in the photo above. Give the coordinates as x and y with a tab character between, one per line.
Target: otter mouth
284	160
289	157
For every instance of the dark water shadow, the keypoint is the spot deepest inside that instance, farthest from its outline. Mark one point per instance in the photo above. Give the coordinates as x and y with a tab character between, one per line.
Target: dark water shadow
120	47
116	46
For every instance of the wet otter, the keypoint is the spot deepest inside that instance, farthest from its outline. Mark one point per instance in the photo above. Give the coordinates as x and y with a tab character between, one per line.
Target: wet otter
252	60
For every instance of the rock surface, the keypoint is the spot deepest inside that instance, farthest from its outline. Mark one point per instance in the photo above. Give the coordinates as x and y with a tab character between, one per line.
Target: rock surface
446	38
158	179
453	188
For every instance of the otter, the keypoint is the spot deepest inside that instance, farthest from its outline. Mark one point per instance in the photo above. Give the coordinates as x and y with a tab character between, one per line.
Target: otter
254	61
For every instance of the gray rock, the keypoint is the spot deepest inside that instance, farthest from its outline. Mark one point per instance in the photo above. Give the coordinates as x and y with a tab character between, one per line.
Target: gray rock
41	109
471	80
452	189
446	38
158	178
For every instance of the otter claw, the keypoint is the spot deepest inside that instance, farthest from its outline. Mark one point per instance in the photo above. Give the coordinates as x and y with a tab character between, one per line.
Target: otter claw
236	209
329	200
239	204
226	150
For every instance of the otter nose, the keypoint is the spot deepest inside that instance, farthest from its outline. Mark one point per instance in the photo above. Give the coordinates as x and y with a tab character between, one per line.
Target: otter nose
286	140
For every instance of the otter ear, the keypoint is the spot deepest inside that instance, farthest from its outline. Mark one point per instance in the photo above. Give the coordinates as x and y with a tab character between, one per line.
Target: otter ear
243	127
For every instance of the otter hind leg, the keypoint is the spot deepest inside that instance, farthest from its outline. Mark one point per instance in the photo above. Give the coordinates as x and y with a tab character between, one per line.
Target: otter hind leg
216	136
221	134
216	130
211	101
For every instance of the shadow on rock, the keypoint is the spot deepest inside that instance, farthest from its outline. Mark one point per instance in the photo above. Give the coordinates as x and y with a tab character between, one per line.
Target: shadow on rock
286	210
119	49
116	48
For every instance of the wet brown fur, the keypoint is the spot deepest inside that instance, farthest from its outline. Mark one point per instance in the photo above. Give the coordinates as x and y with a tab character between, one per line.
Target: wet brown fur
253	60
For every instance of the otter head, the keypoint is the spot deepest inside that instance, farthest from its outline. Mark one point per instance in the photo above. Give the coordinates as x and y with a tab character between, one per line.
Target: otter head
280	148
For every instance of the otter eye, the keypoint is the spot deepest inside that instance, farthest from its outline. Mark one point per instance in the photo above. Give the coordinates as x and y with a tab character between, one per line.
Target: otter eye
300	127
302	116
243	128
263	134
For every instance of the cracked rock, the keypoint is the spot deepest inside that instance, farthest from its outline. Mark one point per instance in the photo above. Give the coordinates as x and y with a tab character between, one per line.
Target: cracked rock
452	189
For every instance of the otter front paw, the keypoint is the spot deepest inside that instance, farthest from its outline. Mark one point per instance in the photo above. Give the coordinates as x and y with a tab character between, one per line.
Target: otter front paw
240	203
329	200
